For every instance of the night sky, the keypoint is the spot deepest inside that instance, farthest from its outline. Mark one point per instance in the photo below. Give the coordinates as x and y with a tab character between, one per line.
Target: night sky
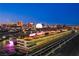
40	13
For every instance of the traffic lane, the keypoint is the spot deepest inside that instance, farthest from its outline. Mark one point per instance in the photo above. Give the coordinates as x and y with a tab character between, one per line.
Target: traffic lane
69	49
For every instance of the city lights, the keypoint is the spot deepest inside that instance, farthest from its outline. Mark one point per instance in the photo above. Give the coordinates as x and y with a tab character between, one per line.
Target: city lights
39	29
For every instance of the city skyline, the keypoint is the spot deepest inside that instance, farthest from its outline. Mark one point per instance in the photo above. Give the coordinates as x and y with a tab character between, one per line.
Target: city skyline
40	13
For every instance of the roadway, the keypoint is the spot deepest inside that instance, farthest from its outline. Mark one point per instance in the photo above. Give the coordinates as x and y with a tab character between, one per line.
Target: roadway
71	48
53	47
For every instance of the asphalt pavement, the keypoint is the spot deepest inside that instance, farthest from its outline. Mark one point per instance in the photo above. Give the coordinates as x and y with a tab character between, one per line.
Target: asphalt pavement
69	49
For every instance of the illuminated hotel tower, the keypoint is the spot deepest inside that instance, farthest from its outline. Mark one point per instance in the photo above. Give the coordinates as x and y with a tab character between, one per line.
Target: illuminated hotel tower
20	23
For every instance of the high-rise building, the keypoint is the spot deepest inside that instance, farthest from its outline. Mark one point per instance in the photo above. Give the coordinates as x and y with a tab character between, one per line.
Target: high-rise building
30	25
20	23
